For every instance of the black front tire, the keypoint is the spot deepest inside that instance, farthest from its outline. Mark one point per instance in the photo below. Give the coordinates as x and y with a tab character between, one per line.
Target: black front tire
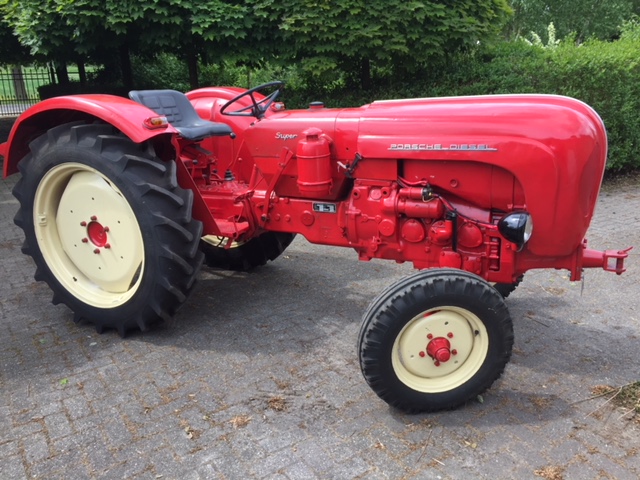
435	340
108	227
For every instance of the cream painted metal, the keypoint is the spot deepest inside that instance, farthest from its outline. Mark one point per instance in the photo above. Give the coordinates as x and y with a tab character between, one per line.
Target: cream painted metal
469	345
88	235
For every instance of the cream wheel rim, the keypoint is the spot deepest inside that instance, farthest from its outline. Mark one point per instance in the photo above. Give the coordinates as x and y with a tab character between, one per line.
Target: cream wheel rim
440	349
88	235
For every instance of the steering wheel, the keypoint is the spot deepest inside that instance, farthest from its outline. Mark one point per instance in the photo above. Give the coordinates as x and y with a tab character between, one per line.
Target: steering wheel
258	107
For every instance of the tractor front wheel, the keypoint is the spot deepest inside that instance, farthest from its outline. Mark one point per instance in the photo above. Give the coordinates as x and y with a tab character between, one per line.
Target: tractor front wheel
435	340
109	229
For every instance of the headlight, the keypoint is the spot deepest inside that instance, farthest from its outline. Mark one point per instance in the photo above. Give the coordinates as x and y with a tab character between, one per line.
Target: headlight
516	227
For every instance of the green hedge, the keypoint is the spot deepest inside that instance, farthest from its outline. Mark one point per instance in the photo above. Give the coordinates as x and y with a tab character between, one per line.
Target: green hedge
607	77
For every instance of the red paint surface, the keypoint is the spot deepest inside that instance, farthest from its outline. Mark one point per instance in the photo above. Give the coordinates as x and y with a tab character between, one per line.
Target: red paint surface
382	177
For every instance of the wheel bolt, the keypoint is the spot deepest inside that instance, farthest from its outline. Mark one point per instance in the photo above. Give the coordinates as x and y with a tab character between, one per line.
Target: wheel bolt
93	218
107	245
106	229
450	335
430	336
83	224
437	364
97	251
85	240
422	354
454	352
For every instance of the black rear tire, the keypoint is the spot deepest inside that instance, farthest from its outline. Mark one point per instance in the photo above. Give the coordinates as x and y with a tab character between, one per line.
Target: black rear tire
243	257
108	227
435	340
506	289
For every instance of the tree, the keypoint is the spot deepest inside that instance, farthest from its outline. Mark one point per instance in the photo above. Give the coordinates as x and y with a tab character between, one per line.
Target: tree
183	27
11	50
70	30
41	29
353	34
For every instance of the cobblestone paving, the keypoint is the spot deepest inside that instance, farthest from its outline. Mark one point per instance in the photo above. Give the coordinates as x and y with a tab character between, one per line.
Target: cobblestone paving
258	378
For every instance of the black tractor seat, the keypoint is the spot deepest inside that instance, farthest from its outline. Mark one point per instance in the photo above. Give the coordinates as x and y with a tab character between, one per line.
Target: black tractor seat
180	113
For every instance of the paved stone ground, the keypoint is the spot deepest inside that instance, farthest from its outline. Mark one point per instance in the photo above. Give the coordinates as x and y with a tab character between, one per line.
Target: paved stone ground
258	378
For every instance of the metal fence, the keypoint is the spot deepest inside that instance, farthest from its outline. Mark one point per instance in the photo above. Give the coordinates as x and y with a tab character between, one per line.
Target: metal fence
19	87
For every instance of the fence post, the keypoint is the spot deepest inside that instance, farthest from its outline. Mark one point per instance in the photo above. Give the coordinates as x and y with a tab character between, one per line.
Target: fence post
52	73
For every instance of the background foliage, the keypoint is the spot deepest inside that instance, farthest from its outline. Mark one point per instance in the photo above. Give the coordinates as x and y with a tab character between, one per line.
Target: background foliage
345	52
583	18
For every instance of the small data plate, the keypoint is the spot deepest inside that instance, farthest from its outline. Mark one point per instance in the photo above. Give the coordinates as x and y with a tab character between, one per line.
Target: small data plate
324	207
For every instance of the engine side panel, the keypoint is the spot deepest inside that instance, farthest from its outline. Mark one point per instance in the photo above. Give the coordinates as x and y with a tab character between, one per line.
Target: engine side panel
554	147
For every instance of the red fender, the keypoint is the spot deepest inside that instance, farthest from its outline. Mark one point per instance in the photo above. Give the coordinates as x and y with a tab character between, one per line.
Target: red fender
124	114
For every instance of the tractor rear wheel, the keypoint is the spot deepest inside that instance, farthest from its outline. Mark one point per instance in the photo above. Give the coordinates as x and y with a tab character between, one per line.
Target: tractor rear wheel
506	289
435	340
109	229
245	256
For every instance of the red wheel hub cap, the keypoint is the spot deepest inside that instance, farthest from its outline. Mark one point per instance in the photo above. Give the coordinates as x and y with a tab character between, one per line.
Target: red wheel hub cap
97	234
439	349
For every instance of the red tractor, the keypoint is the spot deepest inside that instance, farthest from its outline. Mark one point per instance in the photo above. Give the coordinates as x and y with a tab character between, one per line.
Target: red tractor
121	201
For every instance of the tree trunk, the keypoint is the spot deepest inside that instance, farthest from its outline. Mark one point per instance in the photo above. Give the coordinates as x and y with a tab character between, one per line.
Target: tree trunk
192	63
125	66
365	74
82	73
18	83
61	72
